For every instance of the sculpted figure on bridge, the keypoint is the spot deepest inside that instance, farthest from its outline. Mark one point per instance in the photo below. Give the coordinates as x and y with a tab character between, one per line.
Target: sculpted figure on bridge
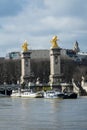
25	46
54	42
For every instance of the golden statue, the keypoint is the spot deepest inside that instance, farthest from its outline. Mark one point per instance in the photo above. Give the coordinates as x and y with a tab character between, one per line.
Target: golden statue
25	46
54	42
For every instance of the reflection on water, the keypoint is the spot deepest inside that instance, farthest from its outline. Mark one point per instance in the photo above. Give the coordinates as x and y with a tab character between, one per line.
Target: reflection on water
43	114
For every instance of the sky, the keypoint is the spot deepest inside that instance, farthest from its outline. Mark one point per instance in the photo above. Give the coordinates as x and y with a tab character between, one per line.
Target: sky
37	21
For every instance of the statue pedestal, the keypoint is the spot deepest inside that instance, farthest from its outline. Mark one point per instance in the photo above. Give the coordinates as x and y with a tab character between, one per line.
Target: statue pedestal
25	67
55	71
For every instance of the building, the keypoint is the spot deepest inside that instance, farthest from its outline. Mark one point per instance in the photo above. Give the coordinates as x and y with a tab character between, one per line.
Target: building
40	54
43	54
13	55
36	54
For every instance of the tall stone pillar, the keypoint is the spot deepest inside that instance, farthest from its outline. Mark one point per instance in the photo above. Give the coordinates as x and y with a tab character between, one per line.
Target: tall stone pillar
55	66
25	64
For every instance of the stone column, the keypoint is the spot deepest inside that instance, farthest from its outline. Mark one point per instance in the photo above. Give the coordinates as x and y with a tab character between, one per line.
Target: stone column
25	67
55	66
25	63
55	71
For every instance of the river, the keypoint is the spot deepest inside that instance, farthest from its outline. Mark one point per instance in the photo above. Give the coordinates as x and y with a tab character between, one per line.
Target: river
43	114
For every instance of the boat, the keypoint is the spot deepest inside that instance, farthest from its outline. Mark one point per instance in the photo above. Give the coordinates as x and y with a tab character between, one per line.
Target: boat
28	93
15	93
52	94
40	94
61	95
70	95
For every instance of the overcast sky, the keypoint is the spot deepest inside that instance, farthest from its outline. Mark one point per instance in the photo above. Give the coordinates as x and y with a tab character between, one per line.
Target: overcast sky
37	21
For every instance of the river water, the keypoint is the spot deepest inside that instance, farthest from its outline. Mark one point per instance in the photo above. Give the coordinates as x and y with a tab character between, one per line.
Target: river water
43	114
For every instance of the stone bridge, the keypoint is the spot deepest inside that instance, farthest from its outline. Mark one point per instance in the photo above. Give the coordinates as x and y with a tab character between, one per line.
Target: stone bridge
7	89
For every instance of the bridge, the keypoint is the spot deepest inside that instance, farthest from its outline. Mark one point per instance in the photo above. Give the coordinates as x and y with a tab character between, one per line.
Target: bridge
7	88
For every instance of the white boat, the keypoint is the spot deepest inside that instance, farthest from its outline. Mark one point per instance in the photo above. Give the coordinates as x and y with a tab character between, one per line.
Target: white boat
24	93
51	94
15	93
29	94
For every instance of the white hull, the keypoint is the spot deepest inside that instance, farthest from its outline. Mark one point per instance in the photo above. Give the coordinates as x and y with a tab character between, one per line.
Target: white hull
15	93
23	93
52	97
28	94
50	94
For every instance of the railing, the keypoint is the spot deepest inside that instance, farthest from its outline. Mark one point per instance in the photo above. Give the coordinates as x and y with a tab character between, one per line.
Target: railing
8	87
